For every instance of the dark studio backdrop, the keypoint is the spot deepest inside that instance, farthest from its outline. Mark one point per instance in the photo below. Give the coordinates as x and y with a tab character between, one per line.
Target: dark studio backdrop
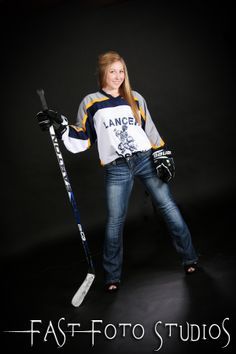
180	58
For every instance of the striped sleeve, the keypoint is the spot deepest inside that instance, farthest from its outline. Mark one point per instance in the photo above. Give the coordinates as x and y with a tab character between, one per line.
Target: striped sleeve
148	124
82	135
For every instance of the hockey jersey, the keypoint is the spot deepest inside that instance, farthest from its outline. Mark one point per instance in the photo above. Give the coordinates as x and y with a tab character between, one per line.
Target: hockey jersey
110	122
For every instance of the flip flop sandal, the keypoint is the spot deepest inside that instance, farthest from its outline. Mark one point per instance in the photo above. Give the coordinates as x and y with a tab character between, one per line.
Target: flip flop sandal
112	287
190	268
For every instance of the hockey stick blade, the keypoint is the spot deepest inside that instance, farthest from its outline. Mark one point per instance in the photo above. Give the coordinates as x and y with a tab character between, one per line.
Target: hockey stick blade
83	289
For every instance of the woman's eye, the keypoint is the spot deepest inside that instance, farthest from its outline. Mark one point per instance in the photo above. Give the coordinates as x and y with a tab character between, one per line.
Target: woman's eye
113	71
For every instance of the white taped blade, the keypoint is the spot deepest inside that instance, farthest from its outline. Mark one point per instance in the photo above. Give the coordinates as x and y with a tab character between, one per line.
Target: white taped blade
82	291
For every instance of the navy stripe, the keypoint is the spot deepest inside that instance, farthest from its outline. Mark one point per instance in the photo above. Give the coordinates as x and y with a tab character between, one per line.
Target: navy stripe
143	122
77	135
112	102
90	130
89	134
118	101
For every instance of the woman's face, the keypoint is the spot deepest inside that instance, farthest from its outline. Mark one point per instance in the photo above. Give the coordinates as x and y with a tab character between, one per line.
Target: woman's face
115	76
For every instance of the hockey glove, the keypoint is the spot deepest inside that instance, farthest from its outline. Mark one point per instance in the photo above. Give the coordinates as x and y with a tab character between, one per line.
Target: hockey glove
164	164
48	118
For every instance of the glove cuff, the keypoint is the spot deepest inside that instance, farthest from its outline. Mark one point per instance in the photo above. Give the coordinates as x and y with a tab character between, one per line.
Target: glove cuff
60	128
161	153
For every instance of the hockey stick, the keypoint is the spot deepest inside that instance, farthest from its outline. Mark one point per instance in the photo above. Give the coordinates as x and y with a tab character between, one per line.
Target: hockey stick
84	288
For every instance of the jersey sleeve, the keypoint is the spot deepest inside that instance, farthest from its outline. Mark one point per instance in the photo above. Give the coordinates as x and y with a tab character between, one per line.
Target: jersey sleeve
82	135
148	124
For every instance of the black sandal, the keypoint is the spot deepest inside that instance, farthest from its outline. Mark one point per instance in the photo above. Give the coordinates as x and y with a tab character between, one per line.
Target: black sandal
112	287
191	268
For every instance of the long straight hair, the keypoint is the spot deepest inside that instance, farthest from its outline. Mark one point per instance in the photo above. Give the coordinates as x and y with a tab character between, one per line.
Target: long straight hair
106	59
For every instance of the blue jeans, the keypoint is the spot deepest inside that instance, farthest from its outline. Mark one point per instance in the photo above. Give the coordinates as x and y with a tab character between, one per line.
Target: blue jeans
119	179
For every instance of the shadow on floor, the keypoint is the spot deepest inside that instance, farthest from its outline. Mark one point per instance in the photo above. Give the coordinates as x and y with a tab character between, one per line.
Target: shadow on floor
156	297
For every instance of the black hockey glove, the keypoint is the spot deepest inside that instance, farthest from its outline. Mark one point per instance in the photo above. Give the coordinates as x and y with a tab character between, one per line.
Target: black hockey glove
164	164
48	118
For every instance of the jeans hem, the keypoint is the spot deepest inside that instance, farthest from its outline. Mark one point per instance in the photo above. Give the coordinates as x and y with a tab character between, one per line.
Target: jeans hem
112	281
195	260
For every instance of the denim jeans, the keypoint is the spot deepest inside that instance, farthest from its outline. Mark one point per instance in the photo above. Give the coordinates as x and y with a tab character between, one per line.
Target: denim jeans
119	179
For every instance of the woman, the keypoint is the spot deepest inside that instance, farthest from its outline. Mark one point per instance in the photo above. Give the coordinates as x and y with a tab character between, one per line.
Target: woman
129	145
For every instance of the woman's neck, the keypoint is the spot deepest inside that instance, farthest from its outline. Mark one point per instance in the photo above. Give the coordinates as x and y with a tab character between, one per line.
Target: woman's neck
114	93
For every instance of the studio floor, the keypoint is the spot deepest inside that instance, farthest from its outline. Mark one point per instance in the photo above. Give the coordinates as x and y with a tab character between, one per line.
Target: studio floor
157	308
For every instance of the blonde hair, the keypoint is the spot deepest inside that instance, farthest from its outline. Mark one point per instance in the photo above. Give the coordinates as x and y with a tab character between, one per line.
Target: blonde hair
106	59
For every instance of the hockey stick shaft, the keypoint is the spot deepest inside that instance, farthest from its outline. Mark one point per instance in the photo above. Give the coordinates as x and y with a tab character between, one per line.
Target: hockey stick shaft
67	184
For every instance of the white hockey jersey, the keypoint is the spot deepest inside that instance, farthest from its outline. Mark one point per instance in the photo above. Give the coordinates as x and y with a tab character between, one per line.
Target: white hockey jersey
110	122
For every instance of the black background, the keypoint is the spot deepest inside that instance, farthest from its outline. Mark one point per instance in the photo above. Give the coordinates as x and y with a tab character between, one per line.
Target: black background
180	58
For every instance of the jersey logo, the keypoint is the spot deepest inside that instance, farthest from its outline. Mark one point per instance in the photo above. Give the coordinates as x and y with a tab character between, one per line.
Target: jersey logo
127	144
